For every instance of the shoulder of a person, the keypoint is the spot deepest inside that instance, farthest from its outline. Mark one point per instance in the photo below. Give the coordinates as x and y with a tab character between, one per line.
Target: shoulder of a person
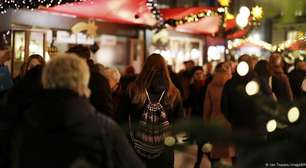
105	122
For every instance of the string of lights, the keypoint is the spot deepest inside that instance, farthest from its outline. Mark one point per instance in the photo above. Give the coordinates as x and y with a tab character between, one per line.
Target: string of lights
154	8
5	5
194	17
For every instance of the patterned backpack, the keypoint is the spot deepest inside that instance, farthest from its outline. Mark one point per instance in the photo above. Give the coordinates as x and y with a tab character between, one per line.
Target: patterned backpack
150	132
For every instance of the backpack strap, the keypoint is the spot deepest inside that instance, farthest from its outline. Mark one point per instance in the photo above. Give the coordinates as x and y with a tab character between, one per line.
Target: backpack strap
161	96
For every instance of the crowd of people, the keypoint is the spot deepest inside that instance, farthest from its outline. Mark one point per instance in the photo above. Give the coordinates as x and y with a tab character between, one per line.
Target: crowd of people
72	112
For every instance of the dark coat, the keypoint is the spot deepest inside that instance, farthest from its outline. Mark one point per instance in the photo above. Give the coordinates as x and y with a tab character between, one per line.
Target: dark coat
101	95
240	109
296	78
17	100
281	87
62	129
196	99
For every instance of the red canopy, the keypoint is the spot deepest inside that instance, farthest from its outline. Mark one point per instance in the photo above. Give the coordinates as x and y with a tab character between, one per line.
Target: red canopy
116	11
207	25
298	45
124	11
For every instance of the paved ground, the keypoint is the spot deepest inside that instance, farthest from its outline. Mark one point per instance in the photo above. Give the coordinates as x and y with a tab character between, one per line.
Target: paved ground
187	158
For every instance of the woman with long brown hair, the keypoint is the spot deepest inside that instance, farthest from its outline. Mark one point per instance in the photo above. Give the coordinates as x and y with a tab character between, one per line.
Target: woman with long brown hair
152	100
31	62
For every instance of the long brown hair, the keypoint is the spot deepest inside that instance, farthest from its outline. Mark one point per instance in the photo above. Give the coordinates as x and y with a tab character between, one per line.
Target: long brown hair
25	66
155	65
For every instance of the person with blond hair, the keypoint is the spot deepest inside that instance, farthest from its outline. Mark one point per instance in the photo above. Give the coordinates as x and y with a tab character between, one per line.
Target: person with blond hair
101	95
212	113
62	128
113	76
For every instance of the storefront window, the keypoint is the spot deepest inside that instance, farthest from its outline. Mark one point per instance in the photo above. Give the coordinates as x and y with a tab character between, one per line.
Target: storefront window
36	43
179	50
19	46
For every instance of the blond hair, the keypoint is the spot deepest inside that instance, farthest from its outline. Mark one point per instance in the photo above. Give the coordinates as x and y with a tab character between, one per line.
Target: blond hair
67	71
112	73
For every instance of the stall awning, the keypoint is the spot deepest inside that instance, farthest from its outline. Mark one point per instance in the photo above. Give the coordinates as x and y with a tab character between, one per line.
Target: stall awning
137	12
298	45
115	11
209	25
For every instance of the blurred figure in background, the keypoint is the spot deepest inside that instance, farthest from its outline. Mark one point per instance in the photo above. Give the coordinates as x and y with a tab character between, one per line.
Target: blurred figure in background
101	95
62	128
212	113
194	105
197	91
297	77
280	83
113	76
186	77
175	79
31	62
5	76
129	71
264	73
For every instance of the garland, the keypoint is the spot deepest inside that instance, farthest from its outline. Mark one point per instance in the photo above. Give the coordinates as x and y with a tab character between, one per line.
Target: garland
32	4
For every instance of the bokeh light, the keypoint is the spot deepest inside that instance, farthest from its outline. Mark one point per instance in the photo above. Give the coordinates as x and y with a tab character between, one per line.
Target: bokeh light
245	11
252	88
242	68
169	141
242	21
293	114
271	125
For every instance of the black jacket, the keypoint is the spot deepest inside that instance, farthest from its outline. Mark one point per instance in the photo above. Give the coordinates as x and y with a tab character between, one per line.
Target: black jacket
296	78
242	111
62	129
101	95
17	100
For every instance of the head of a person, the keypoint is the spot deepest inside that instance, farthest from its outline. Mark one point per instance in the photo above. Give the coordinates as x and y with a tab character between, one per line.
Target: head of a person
209	67
5	54
67	71
34	60
276	63
98	68
81	51
300	65
189	65
129	70
113	77
246	58
198	73
223	67
262	68
154	76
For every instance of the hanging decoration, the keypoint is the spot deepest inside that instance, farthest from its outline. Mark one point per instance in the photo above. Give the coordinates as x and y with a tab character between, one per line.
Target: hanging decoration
224	2
90	28
5	5
230	27
257	12
194	17
154	8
